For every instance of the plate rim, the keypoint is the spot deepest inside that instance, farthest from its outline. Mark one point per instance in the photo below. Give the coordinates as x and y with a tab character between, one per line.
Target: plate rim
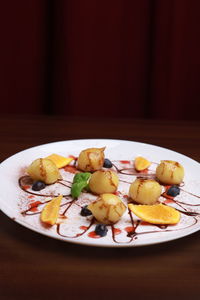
80	242
98	139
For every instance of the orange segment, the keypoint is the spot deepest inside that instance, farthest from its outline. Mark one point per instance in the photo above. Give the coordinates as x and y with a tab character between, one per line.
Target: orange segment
156	214
60	161
50	212
141	163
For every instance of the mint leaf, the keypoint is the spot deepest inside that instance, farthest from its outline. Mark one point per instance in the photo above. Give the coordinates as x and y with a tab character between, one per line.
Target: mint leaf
80	182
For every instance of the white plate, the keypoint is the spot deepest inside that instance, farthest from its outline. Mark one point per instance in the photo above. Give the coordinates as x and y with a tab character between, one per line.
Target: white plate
13	200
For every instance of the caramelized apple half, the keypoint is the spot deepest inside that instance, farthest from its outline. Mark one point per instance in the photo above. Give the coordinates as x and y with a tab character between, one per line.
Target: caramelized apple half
145	191
107	209
170	172
91	159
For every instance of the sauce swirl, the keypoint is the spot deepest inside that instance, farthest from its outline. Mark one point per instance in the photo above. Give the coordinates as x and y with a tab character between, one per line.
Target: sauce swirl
132	233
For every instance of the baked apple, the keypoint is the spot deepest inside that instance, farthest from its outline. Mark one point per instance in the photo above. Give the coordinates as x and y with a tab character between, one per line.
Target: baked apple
145	191
43	169
91	159
170	172
107	209
103	181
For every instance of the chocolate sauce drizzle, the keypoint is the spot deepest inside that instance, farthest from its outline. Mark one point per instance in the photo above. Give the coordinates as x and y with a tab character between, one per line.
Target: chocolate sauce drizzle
132	171
26	177
133	234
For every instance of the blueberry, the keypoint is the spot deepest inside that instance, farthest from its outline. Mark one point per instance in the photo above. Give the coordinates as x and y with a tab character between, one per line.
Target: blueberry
101	229
173	191
38	185
107	163
85	211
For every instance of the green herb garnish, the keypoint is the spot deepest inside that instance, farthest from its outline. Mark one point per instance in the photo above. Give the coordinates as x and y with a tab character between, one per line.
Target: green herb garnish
80	182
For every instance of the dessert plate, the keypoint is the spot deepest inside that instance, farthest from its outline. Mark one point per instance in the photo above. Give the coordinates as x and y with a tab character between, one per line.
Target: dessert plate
23	205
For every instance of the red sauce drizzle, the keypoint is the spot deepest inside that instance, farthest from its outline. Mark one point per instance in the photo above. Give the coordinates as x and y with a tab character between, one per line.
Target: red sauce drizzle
145	171
26	187
117	231
93	235
168	201
117	193
71	169
144	223
83	227
129	229
34	206
33	209
125	161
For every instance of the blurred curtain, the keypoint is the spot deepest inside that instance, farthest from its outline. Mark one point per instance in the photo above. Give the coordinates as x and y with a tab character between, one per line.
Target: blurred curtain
22	56
136	59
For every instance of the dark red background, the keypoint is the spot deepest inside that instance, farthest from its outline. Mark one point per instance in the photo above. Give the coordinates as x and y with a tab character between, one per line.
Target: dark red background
101	58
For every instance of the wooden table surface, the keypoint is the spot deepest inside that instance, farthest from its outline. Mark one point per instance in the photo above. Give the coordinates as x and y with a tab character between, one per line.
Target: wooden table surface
33	266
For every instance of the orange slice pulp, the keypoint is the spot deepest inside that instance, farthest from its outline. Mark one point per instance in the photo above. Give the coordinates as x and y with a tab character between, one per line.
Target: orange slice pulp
50	212
141	163
156	214
60	161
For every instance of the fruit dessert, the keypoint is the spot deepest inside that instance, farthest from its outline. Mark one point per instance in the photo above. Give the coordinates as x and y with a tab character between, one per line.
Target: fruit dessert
156	214
44	169
145	191
107	209
91	159
103	181
92	196
170	172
